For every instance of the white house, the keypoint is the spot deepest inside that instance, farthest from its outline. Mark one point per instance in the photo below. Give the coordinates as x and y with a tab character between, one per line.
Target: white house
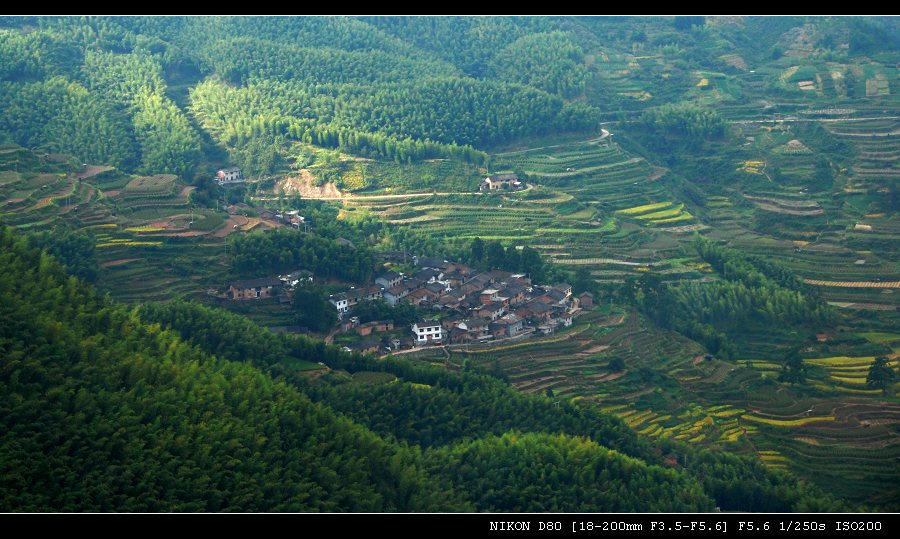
427	331
229	175
340	302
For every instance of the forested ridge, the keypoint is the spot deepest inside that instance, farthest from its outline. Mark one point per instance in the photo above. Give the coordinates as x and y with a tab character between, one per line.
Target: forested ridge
257	83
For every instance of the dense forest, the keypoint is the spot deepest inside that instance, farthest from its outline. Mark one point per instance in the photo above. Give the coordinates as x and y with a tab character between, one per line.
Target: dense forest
753	293
288	250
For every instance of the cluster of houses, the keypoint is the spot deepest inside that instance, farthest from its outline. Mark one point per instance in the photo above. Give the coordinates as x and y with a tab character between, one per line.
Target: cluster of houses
474	307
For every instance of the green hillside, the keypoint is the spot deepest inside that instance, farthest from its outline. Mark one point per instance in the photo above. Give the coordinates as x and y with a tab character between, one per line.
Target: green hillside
724	187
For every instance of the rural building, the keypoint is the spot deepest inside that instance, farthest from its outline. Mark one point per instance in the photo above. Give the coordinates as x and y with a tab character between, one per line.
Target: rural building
477	328
565	319
353	297
376	326
430	275
515	293
454	278
229	175
418	297
340	302
493	310
513	325
370	345
565	288
501	181
296	277
586	299
557	296
427	331
435	290
432	262
389	279
265	287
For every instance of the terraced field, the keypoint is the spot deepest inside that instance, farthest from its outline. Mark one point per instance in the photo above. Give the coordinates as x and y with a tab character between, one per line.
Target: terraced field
150	246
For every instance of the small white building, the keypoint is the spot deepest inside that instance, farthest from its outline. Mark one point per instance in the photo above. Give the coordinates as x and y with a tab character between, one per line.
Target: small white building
427	331
340	302
229	175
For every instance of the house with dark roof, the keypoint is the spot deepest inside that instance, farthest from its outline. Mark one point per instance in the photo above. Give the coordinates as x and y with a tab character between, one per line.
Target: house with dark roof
430	275
432	262
586	300
418	297
451	321
492	310
460	336
513	324
515	293
499	276
565	288
557	295
394	294
265	287
537	312
478	328
369	345
389	279
436	289
449	300
345	301
376	326
454	278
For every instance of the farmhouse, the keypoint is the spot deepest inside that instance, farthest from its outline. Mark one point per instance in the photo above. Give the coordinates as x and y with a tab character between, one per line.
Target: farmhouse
477	328
501	181
340	302
432	262
418	297
294	278
229	175
265	287
492	310
369	345
351	298
389	279
427	331
376	326
586	299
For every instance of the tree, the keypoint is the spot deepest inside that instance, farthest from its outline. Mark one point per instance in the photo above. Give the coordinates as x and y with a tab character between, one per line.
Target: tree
582	281
684	23
532	264
313	311
477	250
496	255
616	364
881	375
793	370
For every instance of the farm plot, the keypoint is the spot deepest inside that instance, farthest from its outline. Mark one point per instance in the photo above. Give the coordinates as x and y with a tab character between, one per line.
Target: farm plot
660	213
